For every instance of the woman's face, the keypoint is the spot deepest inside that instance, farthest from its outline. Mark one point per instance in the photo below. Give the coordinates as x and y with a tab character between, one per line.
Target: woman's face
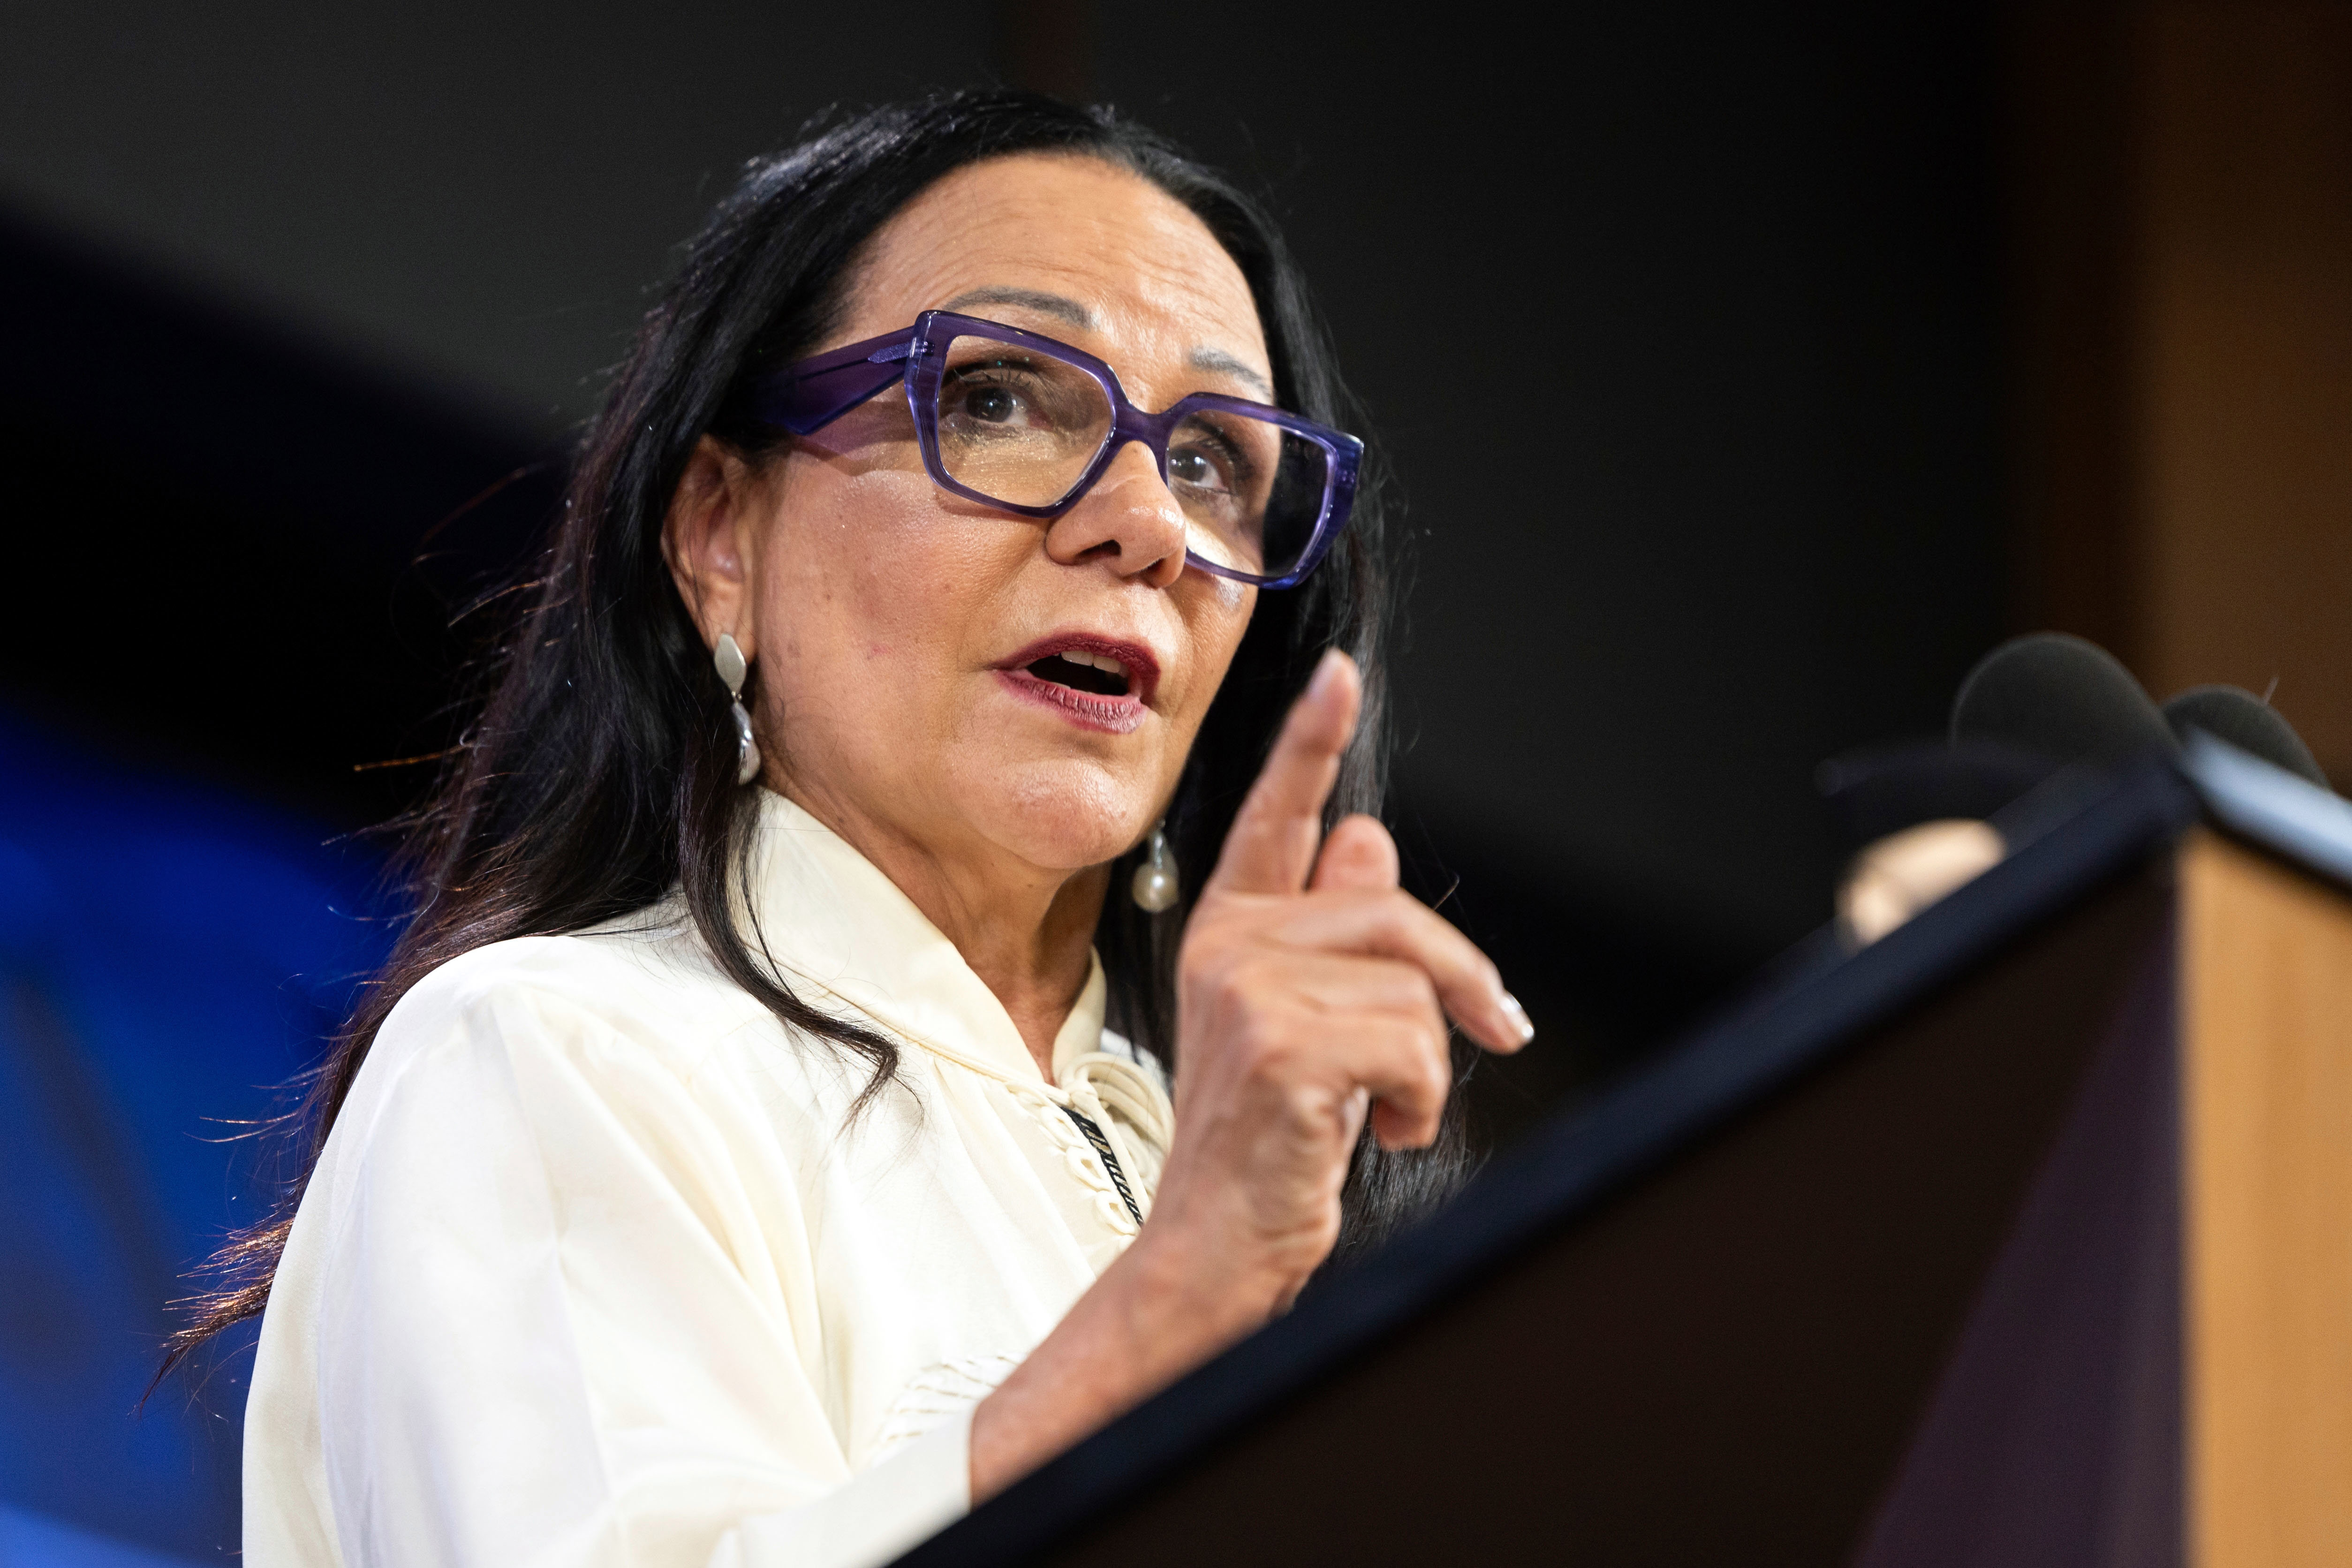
906	639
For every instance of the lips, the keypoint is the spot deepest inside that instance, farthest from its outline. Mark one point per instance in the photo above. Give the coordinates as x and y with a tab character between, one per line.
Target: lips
1097	682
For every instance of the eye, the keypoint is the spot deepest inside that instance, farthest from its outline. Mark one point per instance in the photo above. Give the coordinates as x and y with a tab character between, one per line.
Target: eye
1191	465
1207	462
991	405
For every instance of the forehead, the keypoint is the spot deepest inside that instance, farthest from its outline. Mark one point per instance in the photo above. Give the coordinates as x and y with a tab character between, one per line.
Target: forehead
1148	272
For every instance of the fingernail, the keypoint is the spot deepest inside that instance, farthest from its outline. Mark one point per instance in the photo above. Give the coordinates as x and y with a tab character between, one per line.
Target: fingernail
1518	1017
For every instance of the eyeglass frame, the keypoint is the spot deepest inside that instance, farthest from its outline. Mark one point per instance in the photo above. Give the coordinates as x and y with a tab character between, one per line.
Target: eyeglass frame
806	395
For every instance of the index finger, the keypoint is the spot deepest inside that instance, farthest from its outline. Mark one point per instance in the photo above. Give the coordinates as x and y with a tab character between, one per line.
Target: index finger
1271	848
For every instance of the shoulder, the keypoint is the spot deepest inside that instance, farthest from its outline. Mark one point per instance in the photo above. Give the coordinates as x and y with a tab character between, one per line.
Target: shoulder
651	957
599	1038
644	987
514	1079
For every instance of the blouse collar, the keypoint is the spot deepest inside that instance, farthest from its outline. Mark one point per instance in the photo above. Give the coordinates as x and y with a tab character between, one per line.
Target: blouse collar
832	921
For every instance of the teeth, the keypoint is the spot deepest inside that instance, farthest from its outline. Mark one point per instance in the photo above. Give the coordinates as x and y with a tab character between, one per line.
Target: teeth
1101	661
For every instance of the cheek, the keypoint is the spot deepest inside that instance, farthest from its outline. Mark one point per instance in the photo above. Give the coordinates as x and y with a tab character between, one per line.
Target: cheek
1215	615
872	585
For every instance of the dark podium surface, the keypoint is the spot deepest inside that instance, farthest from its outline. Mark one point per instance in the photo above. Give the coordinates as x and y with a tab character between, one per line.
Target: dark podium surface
1884	1267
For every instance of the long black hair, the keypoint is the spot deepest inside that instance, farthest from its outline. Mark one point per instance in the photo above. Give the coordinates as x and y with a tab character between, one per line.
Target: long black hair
601	773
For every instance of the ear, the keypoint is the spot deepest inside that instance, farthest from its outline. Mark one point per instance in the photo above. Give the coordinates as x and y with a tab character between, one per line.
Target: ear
710	539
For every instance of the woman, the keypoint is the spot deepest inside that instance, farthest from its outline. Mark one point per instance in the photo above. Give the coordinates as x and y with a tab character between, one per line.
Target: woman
734	1165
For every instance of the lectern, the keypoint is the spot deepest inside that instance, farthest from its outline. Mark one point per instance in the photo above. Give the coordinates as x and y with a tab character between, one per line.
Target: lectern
2022	1237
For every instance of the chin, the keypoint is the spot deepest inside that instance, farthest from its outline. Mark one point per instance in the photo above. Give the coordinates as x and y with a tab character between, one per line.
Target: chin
1067	814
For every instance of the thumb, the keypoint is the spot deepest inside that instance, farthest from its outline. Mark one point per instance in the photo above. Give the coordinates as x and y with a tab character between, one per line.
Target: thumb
1271	848
1358	854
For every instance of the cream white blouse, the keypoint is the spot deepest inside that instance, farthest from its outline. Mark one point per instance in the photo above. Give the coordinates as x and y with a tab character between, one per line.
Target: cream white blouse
597	1268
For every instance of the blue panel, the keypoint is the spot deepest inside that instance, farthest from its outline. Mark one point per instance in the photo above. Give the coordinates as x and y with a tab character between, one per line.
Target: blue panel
29	1541
171	957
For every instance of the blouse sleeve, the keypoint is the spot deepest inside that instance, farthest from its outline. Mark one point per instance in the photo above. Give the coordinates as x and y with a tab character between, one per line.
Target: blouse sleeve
556	1327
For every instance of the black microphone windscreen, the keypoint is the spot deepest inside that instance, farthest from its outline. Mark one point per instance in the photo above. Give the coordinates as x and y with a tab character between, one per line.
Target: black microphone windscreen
2062	698
2233	714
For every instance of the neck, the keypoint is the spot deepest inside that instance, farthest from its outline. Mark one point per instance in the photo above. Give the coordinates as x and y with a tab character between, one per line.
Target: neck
1027	931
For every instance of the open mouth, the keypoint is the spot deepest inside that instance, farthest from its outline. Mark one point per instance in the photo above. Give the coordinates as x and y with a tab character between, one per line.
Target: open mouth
1093	682
1096	674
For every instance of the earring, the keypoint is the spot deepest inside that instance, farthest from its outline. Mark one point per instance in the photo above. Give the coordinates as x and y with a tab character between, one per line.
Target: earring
732	669
1155	879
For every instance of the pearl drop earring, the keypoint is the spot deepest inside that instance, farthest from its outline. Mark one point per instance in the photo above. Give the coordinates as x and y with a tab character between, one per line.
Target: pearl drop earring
733	667
1155	880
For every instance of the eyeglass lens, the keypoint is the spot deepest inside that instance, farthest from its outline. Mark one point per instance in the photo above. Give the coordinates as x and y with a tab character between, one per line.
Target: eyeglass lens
1021	427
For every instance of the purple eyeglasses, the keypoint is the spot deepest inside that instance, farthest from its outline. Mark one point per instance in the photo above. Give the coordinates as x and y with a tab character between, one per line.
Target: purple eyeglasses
1016	420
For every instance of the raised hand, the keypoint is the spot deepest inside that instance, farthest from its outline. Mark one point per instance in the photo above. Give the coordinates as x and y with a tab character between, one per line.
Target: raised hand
1312	991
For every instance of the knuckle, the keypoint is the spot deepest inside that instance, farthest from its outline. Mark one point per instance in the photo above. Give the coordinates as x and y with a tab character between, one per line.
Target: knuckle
1402	917
1420	990
1217	961
1437	1081
1433	1056
1265	1056
1422	1079
1264	1039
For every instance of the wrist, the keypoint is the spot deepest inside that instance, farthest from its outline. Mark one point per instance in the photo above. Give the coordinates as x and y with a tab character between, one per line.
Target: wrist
1189	1298
1173	1299
1155	1314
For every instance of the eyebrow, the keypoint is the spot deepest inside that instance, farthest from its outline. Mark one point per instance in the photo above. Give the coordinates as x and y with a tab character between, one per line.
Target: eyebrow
1062	308
1059	306
1223	363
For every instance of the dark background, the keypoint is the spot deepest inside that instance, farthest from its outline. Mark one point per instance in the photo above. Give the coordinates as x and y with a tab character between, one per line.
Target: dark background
1680	324
1683	325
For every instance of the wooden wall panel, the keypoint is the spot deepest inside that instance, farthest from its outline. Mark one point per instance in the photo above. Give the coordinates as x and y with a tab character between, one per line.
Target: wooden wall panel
2181	208
2246	403
2266	1032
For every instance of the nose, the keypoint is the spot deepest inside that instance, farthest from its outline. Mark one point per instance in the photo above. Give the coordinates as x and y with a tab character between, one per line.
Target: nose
1129	521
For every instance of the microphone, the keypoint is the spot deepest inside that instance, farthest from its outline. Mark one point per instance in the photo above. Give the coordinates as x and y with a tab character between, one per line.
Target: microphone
2035	706
2062	698
2233	714
2030	709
